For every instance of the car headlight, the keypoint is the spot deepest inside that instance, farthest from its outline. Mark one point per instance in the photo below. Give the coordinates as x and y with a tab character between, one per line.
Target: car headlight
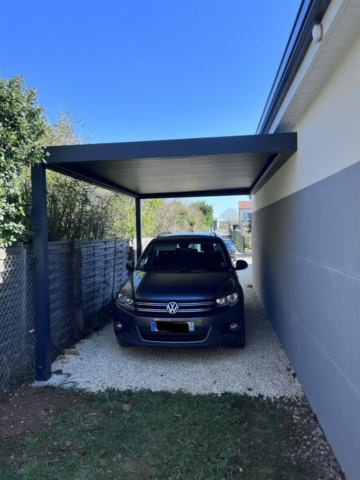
125	302
230	300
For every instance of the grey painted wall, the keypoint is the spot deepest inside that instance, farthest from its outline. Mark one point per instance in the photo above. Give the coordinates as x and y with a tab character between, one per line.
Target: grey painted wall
306	272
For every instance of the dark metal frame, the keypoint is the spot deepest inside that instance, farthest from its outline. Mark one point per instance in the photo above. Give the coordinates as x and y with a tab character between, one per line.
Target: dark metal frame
41	266
278	147
41	271
66	159
138	226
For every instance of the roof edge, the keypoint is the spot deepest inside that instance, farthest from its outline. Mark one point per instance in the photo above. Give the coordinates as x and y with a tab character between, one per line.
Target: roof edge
310	13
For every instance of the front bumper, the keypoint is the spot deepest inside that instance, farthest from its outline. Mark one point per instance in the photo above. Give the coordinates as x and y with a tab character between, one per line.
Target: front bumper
209	330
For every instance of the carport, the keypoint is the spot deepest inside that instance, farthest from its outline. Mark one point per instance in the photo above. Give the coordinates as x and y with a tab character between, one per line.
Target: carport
153	169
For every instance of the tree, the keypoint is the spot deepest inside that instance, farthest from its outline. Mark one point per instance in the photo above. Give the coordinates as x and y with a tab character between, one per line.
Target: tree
150	213
67	199
207	211
249	226
170	216
63	132
76	209
22	125
229	216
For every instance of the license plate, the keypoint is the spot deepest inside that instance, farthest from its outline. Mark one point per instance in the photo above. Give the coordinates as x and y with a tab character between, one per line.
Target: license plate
177	327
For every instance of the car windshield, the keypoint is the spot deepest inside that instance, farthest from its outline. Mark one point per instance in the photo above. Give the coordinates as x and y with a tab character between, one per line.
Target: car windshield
183	256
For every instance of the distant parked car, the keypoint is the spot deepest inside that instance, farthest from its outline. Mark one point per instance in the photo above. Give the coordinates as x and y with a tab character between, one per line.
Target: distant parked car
231	249
184	291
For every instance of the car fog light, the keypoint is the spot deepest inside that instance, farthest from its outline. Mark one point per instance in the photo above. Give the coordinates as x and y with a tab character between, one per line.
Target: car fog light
118	325
234	326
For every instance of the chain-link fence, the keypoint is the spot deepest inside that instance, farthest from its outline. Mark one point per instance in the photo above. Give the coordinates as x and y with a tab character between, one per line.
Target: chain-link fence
17	335
84	277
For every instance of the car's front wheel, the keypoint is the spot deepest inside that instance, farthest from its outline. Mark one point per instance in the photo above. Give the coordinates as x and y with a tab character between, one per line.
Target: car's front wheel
240	342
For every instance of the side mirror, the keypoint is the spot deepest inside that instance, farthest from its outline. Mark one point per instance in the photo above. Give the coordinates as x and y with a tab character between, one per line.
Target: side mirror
130	266
241	265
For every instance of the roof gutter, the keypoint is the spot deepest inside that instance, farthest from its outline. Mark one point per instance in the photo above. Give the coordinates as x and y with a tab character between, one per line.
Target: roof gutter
310	13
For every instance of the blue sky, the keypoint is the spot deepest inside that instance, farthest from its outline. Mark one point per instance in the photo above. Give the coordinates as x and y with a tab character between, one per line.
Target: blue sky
149	69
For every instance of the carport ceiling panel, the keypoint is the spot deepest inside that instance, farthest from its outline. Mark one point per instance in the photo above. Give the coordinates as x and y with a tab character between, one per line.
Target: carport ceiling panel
180	174
212	165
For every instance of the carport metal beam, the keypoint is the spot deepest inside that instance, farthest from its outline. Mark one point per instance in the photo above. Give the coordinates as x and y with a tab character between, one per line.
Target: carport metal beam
41	272
176	168
138	226
198	193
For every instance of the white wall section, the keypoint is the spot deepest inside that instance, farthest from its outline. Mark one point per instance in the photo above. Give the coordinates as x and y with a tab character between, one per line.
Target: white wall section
340	27
328	135
328	139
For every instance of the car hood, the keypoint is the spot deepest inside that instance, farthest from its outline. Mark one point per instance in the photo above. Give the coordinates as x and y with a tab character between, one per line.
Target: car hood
179	286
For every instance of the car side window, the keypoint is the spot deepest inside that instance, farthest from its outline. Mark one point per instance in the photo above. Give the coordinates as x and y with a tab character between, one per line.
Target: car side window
143	262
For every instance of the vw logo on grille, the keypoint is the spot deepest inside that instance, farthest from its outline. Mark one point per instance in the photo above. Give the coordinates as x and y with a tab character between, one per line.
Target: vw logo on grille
172	307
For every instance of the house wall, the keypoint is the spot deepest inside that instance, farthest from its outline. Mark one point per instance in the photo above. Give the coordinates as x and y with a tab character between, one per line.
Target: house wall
241	213
306	265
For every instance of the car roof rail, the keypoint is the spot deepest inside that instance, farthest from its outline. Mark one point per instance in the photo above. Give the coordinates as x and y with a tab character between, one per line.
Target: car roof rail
162	234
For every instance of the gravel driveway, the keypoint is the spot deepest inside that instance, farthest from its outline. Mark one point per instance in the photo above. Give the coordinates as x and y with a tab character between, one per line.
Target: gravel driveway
261	368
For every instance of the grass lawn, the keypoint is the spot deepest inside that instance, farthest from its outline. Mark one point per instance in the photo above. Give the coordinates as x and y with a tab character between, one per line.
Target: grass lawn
147	435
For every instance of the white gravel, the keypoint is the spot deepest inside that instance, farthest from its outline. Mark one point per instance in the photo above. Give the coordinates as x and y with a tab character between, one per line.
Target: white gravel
261	368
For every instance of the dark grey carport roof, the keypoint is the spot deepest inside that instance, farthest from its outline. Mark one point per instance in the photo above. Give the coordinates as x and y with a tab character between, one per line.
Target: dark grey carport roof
178	168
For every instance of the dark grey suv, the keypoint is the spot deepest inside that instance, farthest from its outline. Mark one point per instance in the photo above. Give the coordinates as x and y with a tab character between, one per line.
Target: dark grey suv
184	291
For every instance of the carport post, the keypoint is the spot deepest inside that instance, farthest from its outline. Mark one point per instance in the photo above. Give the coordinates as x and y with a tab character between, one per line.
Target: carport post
138	226
41	271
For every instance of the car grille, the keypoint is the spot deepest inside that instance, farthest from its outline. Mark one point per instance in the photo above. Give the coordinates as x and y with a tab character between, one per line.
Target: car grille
184	307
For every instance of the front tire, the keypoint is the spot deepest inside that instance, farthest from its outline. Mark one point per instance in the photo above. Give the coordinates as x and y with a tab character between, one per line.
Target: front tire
240	342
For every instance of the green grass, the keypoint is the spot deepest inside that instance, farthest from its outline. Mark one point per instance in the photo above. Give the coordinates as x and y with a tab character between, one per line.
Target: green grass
164	436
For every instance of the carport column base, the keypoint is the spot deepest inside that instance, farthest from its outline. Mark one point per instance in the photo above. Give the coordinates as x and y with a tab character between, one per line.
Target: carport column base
55	380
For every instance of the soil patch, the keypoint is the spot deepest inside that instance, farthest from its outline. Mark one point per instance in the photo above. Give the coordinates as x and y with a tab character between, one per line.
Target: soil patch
29	409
